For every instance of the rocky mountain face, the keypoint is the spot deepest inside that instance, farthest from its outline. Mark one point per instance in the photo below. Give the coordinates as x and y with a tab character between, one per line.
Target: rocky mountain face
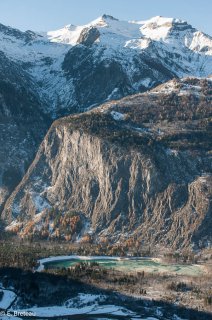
136	168
48	75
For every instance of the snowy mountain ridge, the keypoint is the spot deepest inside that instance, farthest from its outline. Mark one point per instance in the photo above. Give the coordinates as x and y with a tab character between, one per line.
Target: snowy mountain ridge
157	28
140	48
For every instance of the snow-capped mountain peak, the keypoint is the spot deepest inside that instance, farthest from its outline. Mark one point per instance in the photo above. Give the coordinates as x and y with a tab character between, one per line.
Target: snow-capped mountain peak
160	28
106	24
138	34
67	35
103	20
142	53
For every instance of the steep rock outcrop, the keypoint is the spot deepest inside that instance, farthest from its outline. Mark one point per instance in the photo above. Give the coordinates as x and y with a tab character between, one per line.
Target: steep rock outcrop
122	175
88	36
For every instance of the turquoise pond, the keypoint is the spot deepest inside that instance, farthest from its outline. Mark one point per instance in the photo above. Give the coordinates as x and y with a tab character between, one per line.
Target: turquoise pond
130	265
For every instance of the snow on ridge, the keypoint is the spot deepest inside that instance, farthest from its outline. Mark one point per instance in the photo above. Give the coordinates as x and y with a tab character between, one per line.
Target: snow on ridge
160	20
107	25
125	32
158	28
67	35
180	87
201	42
114	34
121	40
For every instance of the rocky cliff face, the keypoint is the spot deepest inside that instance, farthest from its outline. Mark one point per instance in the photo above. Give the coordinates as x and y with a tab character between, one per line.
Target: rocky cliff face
135	168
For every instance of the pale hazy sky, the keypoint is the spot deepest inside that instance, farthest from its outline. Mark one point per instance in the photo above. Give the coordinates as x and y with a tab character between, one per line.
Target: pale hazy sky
43	15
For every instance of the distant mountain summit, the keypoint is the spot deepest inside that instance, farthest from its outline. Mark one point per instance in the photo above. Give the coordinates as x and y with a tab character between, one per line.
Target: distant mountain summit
143	54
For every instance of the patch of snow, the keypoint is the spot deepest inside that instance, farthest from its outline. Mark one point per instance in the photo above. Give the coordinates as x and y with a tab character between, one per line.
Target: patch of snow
40	203
201	43
7	299
13	225
142	43
171	152
90	231
118	116
58	311
159	312
145	130
112	94
10	317
146	82
84	299
87	298
67	35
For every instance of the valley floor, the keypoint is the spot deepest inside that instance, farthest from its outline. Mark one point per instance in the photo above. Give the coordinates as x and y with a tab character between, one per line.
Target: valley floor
88	288
190	291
